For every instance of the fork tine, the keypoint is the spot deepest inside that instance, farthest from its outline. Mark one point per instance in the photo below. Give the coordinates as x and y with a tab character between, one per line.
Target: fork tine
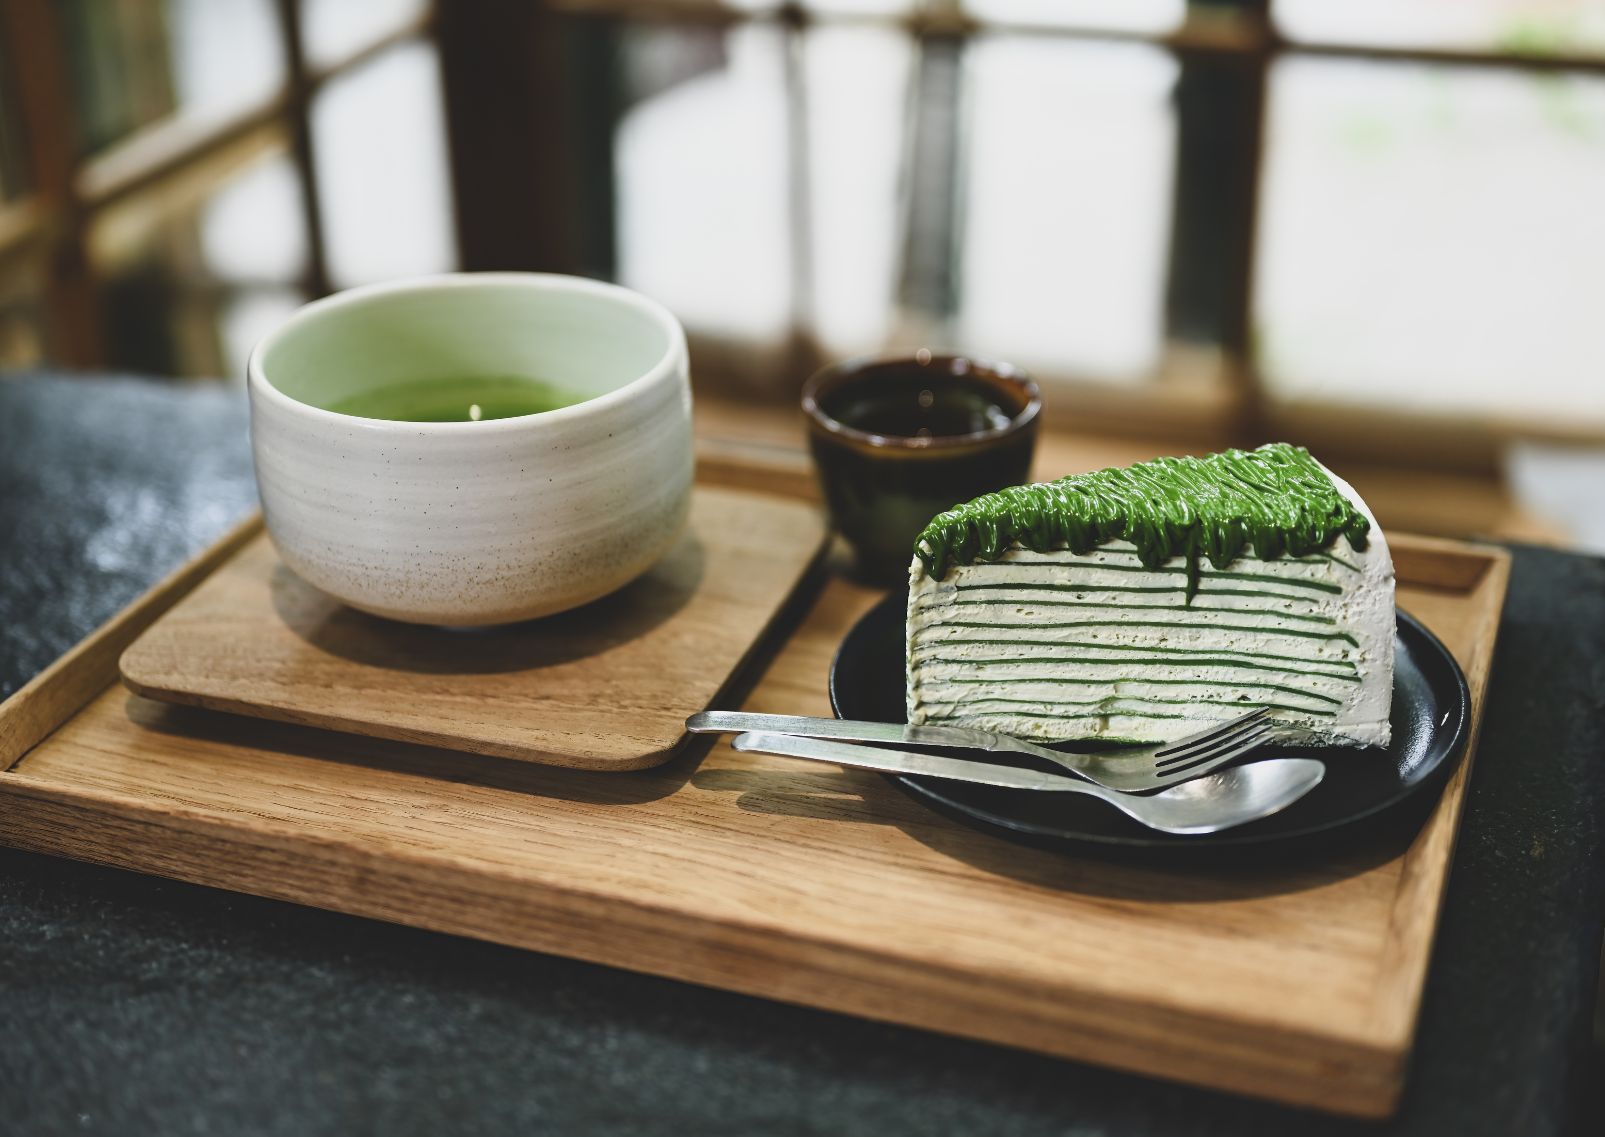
1205	739
1205	749
1252	734
1209	765
1208	733
1205	763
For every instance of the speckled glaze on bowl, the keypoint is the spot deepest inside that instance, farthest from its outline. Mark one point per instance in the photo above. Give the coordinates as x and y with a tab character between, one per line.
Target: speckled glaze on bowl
470	523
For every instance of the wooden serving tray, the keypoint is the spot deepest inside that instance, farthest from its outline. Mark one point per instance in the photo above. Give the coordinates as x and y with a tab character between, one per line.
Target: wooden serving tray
603	687
1294	981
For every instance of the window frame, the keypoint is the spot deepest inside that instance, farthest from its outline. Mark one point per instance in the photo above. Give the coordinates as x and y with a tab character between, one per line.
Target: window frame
515	79
1208	389
47	230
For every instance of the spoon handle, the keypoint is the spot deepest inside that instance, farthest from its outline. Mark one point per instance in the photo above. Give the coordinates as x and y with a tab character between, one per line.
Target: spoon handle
904	762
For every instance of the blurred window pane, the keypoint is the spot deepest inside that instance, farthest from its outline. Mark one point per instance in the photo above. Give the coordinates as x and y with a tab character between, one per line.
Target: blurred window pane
1432	238
379	137
856	82
189	283
226	54
835	7
1534	26
863	7
332	29
1153	16
245	315
251	228
701	180
1069	169
135	64
121	69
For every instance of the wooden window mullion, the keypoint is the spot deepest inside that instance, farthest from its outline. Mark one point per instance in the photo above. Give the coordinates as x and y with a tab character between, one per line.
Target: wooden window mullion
1220	114
50	128
298	107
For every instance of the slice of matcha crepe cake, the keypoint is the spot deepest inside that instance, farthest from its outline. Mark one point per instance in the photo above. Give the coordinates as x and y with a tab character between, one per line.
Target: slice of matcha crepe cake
1147	602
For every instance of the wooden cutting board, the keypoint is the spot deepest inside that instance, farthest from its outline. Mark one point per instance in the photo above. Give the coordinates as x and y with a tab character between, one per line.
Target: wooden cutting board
1298	981
604	687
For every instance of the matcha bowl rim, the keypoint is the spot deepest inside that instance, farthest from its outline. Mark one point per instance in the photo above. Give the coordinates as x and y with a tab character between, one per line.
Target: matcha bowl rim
945	366
475	522
674	352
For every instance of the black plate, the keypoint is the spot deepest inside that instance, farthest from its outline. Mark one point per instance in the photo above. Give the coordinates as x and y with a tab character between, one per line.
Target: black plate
1431	717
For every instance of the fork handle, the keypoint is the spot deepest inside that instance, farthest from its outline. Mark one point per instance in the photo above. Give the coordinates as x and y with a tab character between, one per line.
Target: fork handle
853	730
907	762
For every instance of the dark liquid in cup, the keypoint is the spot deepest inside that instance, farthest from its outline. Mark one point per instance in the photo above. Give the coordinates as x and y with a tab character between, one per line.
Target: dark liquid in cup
943	429
916	403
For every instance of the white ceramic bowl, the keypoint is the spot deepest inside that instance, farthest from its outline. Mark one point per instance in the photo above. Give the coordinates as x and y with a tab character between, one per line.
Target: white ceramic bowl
467	523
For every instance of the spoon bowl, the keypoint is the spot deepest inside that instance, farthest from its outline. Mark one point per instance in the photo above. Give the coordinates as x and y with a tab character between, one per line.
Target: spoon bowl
1221	800
1227	798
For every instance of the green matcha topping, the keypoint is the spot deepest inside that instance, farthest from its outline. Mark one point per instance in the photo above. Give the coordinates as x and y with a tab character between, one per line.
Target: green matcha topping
1276	500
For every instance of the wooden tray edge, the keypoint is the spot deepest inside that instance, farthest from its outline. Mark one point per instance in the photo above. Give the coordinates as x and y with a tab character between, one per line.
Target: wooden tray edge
1439	562
1418	905
280	862
58	692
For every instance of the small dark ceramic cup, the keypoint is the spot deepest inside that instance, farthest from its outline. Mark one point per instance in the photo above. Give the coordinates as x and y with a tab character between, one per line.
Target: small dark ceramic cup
897	441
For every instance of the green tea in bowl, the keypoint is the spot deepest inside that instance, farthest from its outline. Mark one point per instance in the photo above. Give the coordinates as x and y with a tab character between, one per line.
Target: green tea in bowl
457	400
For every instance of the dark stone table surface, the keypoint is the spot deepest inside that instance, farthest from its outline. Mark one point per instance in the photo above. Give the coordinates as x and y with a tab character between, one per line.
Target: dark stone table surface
131	1005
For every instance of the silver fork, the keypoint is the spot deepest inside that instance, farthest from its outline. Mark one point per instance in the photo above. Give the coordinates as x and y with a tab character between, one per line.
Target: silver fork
1130	769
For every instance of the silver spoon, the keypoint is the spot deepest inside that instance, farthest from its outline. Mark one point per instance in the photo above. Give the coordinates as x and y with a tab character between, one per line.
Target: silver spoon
1217	801
1132	769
